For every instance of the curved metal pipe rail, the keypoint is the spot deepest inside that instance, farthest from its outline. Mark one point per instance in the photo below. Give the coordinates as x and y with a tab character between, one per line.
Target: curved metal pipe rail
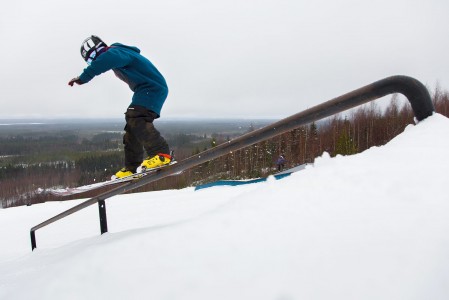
411	88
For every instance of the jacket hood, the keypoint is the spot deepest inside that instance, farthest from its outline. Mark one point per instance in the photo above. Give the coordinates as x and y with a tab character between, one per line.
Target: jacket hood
135	49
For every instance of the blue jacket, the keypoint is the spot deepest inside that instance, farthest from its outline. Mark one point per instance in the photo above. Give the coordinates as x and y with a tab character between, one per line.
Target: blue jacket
149	86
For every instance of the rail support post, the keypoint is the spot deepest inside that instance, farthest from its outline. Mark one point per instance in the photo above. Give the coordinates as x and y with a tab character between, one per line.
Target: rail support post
33	240
103	219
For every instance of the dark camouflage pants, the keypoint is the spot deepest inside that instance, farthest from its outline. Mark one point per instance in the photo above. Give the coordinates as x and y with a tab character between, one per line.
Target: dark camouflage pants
141	134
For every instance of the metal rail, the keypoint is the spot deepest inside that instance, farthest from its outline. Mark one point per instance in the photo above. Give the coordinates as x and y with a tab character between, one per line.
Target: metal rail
411	88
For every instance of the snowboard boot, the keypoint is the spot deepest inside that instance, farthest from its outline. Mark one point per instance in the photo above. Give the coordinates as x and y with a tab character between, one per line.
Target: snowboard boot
156	161
124	172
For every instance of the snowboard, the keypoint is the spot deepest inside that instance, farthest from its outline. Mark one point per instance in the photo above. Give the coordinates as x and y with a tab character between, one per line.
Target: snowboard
85	188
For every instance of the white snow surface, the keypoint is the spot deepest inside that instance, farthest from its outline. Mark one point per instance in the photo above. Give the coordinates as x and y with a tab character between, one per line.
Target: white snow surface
368	226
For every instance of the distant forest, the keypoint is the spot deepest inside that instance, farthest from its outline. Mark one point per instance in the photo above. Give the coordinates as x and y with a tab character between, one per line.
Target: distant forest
30	163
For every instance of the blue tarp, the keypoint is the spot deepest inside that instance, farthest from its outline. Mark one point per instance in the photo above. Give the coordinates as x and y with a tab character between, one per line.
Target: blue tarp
237	182
241	182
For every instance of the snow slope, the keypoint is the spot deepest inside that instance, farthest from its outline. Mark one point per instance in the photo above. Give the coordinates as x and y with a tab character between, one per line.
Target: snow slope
368	226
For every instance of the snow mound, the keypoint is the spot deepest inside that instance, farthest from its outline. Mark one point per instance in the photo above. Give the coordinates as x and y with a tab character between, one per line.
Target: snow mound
368	226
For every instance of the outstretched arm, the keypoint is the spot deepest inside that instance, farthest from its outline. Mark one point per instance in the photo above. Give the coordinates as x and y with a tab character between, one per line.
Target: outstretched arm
110	59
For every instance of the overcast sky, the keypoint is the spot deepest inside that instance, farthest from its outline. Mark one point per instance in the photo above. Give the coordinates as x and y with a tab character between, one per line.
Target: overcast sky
227	58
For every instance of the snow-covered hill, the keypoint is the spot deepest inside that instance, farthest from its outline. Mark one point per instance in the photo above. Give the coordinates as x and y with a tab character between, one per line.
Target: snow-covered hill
369	226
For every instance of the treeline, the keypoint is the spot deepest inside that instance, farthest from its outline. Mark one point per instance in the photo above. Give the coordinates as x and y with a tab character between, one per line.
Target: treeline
346	134
20	184
47	148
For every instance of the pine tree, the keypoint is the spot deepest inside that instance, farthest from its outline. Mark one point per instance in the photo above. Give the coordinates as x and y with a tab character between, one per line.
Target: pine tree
345	144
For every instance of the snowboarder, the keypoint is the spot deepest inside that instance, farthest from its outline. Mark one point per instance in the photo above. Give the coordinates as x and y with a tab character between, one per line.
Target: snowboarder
150	91
280	162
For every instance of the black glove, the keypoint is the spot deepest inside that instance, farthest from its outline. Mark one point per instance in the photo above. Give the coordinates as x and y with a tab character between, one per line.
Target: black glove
76	80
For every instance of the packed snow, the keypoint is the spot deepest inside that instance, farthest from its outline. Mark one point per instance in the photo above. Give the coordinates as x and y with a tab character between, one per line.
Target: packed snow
368	226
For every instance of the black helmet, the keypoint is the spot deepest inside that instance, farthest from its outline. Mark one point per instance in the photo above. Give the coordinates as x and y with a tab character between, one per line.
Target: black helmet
91	47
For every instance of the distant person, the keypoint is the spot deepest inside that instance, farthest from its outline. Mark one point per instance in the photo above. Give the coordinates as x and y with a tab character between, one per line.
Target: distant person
280	162
150	91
